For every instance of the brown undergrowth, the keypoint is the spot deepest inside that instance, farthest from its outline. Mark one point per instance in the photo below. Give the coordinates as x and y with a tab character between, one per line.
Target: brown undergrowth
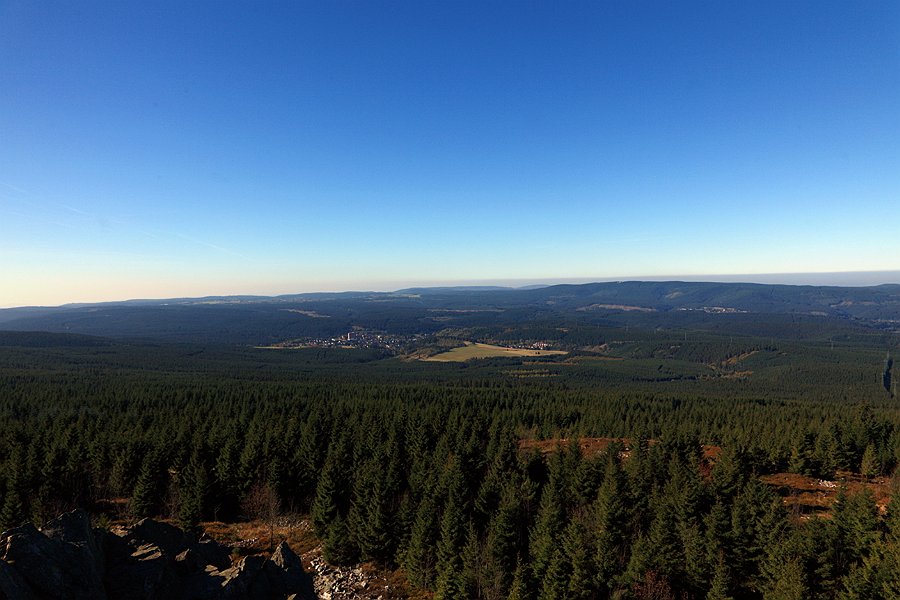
805	496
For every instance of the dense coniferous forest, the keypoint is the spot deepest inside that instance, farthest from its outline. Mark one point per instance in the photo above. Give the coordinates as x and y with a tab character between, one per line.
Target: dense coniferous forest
469	476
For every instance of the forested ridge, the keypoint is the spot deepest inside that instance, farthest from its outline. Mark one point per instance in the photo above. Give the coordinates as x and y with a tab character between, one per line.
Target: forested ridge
566	314
427	473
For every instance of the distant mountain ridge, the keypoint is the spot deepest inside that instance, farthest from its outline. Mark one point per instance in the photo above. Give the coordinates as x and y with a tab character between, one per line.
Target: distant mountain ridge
261	319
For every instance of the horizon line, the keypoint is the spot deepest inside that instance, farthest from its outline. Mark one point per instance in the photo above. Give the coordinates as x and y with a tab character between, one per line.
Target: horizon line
813	278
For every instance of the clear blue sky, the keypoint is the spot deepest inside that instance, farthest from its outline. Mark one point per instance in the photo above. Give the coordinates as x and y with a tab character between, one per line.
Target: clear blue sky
152	149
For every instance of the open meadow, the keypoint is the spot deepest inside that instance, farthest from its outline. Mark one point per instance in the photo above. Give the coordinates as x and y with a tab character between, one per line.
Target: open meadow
476	350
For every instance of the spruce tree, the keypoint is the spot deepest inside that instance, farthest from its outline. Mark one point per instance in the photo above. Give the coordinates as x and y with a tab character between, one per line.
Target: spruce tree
472	563
721	582
450	582
329	498
555	582
576	547
521	586
148	490
609	519
788	583
550	522
370	515
420	558
338	547
193	487
12	512
502	539
869	467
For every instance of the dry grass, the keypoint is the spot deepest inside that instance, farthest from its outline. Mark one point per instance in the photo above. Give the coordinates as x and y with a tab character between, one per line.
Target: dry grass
808	495
252	537
736	359
476	350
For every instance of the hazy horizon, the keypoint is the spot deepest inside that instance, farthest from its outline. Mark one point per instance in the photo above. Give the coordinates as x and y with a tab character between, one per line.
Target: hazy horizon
195	148
840	279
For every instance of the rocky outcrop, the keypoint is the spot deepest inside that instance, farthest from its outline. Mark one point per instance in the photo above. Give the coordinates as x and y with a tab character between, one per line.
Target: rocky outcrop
68	558
12	586
55	567
346	582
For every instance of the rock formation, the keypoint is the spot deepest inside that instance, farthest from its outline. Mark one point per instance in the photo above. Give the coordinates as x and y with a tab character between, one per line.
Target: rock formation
68	558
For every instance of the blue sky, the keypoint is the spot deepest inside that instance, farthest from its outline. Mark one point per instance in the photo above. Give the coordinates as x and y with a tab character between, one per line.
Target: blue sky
161	149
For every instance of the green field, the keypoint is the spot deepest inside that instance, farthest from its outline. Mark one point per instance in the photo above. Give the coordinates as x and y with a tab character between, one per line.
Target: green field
475	350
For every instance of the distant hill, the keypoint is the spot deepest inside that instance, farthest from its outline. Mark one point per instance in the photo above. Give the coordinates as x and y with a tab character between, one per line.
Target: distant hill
652	304
455	288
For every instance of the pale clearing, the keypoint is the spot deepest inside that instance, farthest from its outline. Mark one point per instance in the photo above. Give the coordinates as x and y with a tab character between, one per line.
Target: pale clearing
476	350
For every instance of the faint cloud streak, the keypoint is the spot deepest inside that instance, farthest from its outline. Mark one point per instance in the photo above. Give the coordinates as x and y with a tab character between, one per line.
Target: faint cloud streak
208	245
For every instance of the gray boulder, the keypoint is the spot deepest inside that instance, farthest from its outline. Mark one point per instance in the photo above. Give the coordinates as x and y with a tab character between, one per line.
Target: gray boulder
197	558
241	580
12	586
211	552
205	585
147	574
59	567
286	575
168	538
150	561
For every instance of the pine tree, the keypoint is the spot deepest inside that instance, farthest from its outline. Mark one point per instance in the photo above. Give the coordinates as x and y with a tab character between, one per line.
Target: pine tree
309	457
718	530
826	454
555	582
148	489
721	582
887	582
639	469
225	494
869	467
521	585
746	547
667	557
696	568
472	563
864	582
250	461
730	472
125	466
789	583
339	548
550	522
193	484
420	558
861	524
502	539
450	582
609	518
576	546
329	498
892	518
277	475
802	460
372	524
12	512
